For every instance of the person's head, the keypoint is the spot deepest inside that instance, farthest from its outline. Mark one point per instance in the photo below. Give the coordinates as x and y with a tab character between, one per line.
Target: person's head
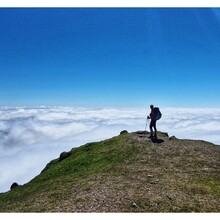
151	106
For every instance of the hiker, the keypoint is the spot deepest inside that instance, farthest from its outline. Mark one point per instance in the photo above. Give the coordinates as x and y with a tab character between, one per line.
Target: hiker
154	116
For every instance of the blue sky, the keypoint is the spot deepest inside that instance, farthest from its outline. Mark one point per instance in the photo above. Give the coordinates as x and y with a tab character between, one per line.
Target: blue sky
102	57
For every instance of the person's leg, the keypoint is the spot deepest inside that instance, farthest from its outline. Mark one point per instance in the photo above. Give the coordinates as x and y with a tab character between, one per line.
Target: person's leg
155	129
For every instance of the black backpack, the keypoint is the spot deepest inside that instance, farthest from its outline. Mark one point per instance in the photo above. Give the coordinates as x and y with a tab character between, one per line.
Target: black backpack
158	114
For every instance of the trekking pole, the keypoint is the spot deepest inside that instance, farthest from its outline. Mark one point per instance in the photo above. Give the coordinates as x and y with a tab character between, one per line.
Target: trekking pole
146	124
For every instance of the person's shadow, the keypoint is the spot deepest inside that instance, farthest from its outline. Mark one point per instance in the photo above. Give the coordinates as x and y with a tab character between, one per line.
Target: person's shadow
156	140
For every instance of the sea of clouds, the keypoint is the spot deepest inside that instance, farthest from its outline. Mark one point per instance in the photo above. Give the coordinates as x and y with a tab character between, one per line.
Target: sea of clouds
31	137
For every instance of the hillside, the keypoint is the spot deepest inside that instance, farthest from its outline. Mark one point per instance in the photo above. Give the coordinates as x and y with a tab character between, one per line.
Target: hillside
127	173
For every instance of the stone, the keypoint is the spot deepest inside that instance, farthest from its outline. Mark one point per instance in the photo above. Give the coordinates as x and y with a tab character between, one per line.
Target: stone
169	197
64	155
134	205
124	132
150	176
172	138
14	185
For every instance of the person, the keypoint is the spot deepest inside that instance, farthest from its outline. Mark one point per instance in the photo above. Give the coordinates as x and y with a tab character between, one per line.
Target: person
152	116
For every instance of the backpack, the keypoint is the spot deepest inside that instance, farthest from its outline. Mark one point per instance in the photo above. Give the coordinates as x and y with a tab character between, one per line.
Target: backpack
158	114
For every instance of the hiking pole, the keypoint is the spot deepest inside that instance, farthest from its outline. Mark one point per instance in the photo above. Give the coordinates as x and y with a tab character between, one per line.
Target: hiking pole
146	124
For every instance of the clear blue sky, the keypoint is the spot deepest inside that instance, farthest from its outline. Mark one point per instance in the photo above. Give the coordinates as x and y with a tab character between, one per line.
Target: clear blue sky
110	57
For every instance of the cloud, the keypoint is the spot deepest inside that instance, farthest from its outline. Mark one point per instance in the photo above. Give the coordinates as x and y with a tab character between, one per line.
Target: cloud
201	124
31	137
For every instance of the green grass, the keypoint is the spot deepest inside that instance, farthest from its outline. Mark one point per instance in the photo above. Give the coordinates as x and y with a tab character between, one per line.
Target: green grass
109	176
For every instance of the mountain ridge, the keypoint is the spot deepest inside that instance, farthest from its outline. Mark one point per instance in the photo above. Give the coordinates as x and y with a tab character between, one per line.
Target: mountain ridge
126	173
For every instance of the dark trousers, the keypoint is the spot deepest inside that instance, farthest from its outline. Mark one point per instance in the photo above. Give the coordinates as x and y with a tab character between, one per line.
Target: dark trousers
153	126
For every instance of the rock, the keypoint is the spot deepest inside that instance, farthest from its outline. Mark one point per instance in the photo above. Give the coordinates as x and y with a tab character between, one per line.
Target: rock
150	176
172	138
64	155
134	205
14	185
169	197
123	132
155	181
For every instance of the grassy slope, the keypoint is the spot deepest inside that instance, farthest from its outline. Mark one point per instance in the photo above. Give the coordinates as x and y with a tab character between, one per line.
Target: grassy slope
111	175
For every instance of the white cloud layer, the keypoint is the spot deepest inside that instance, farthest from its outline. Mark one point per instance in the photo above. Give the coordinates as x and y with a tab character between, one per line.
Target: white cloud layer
31	137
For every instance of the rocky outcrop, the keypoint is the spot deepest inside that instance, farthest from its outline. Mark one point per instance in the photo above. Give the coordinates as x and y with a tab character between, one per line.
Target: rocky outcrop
64	155
14	185
124	132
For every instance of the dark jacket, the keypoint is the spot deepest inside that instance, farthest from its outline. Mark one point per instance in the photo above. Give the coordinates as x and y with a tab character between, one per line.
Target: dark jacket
153	114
